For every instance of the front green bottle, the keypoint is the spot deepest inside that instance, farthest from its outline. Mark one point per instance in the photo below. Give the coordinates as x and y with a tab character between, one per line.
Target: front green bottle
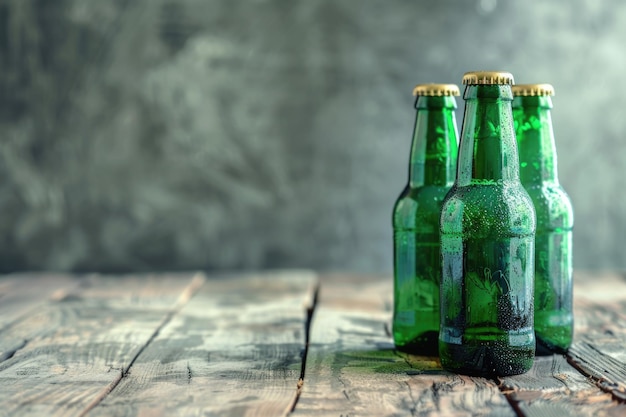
487	242
555	219
417	266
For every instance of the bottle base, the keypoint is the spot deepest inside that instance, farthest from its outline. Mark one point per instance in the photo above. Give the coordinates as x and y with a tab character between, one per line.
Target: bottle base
426	344
553	338
487	358
547	348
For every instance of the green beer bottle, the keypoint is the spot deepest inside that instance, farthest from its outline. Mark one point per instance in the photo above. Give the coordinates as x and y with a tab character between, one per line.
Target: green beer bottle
555	218
487	241
417	265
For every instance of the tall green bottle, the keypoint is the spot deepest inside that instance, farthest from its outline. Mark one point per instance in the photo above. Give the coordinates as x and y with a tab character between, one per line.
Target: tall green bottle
555	218
417	265
487	241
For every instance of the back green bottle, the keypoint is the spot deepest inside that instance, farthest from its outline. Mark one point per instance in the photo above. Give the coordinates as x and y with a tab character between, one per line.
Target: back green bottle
555	219
417	266
487	242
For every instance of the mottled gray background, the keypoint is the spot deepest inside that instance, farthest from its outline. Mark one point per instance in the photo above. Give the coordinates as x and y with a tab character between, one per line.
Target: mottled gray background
230	134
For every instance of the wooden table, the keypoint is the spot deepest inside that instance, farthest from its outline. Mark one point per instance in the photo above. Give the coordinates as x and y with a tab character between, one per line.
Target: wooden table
273	344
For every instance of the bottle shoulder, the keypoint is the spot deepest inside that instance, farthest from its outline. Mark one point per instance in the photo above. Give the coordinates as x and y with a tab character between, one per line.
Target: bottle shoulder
553	206
497	209
490	193
419	205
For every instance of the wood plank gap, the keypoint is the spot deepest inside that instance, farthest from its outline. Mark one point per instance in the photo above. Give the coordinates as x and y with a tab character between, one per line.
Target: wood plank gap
59	293
242	336
196	283
554	388
11	352
353	368
608	380
413	409
307	339
508	395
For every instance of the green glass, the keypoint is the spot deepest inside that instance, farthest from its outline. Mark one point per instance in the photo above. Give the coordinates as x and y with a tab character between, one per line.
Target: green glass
555	220
417	266
487	246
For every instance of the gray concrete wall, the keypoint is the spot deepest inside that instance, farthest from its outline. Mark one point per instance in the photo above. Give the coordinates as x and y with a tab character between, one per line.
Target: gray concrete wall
223	134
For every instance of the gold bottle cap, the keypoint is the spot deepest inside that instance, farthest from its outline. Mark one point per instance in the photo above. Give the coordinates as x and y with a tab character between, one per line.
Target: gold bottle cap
436	90
488	78
526	90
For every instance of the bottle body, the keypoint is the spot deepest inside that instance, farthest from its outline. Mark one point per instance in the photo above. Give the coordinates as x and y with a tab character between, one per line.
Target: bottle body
554	323
417	266
487	244
417	269
553	243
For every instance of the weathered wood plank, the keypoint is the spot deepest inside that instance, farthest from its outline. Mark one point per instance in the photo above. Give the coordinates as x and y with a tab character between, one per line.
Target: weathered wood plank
138	346
609	373
554	388
233	350
24	294
600	331
20	294
353	369
80	345
600	312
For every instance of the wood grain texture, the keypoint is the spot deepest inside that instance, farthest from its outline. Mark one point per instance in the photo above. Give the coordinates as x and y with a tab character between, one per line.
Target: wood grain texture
80	345
554	388
237	346
21	293
233	350
353	369
600	331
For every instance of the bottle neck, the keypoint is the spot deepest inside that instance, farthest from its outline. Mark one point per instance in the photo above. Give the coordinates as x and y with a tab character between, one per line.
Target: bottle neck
488	150
535	139
434	148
